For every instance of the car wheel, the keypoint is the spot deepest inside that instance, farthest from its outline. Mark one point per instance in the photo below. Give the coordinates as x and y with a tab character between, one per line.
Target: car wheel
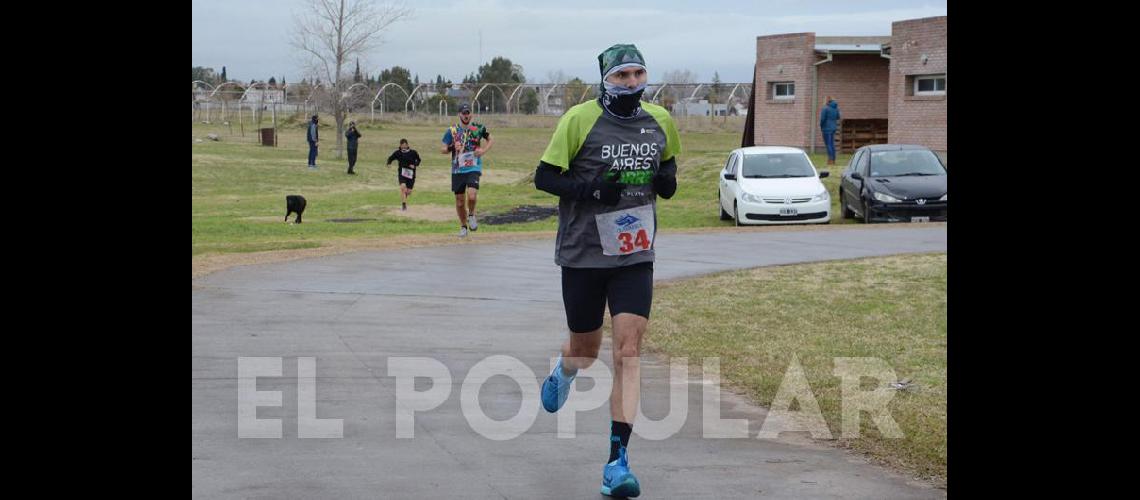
736	213
866	213
847	213
723	215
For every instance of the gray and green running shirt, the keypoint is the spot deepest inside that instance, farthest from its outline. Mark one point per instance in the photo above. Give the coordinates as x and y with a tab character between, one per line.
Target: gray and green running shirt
589	143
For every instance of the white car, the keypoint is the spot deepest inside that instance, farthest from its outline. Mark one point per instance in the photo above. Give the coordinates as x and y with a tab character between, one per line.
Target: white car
772	185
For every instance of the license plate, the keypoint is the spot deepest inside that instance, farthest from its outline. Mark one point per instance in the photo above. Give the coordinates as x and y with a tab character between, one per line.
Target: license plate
789	211
920	219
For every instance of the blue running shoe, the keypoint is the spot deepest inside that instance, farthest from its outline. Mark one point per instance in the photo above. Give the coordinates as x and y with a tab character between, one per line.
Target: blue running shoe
617	480
555	388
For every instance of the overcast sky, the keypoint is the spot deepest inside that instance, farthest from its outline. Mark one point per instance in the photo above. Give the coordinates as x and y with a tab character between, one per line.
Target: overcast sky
249	37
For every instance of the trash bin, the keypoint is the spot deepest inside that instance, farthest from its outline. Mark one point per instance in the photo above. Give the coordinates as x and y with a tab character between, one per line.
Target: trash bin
268	137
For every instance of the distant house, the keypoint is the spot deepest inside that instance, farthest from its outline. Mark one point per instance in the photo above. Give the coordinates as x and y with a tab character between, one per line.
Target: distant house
699	108
265	96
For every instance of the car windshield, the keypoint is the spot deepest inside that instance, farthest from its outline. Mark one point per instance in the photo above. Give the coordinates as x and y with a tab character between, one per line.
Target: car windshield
906	162
768	166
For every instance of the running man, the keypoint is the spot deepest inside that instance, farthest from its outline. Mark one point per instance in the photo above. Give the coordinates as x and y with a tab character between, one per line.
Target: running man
608	161
407	159
463	140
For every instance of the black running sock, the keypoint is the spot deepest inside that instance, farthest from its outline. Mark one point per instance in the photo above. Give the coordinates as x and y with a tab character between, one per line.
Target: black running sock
622	430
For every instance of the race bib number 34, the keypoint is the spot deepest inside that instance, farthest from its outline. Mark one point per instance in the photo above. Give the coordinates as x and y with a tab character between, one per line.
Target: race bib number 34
627	231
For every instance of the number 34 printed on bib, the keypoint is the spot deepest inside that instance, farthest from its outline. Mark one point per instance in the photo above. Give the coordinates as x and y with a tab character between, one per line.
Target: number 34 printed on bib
626	232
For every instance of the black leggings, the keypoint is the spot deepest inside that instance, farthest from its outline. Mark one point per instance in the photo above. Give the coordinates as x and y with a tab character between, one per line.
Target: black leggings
351	158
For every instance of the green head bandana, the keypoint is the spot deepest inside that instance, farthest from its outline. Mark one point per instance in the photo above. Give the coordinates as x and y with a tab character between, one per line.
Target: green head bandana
621	54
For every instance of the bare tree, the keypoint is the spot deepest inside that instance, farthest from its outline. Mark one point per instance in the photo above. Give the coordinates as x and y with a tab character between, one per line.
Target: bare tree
330	33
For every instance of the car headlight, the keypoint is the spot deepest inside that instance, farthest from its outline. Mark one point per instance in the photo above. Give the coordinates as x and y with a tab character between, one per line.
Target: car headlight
886	198
943	198
751	198
824	196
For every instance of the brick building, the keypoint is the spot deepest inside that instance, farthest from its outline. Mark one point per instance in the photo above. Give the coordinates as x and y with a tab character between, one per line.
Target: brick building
890	89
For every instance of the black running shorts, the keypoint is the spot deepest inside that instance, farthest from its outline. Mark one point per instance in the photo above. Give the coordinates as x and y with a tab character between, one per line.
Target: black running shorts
585	292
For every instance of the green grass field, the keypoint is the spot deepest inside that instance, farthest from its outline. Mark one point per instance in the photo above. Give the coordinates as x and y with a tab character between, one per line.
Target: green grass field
892	308
239	187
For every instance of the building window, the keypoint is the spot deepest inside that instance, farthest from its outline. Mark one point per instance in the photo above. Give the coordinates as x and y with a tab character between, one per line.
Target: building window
784	90
930	85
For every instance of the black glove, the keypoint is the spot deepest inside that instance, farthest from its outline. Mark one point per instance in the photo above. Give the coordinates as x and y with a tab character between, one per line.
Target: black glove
606	191
665	185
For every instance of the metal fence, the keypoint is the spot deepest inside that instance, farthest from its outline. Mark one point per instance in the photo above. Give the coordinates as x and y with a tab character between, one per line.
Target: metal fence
260	102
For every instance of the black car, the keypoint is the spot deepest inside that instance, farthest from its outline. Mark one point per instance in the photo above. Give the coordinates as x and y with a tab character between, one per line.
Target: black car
894	183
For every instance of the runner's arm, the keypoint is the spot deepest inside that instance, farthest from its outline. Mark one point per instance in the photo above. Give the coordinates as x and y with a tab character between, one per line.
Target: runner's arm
487	145
549	178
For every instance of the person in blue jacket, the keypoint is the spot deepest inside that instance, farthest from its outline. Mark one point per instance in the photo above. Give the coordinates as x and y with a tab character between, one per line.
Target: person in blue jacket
829	123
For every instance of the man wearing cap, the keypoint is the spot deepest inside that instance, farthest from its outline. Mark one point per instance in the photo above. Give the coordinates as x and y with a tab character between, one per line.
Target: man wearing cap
464	141
608	161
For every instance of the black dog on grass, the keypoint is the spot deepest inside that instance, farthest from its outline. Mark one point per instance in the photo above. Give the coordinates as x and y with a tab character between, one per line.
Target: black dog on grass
294	203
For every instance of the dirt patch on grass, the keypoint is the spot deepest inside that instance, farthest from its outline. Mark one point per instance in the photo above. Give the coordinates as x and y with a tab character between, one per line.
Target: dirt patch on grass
433	213
522	213
209	263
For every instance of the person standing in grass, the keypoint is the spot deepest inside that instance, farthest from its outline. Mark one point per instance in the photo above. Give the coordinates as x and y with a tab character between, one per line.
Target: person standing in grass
828	124
353	137
312	138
